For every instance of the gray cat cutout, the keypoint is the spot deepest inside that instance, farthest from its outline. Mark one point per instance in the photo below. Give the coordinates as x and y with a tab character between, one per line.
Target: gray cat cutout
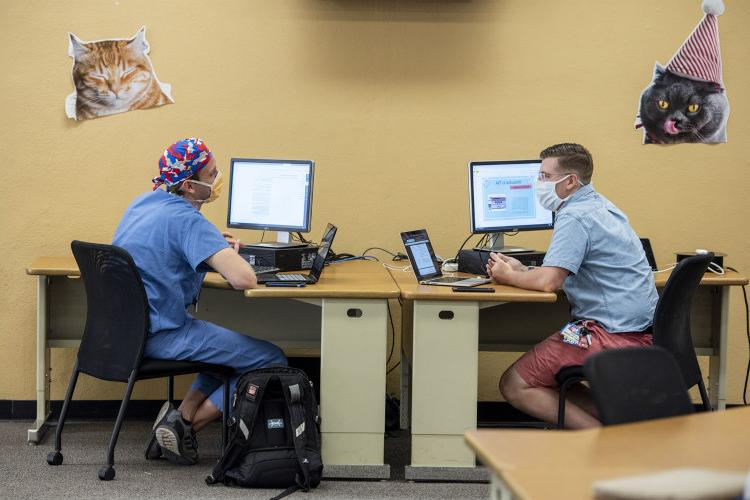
686	100
113	76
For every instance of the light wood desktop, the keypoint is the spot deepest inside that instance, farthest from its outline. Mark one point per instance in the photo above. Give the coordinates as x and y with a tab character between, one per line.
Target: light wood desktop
543	464
443	331
343	319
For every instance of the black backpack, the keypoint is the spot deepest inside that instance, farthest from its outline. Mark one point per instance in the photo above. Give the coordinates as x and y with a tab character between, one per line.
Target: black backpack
274	433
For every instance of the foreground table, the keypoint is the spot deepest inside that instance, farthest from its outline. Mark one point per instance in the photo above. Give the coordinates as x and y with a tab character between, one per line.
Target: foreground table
543	464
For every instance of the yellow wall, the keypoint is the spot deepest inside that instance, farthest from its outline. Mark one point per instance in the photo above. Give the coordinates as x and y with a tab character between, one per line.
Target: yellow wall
390	98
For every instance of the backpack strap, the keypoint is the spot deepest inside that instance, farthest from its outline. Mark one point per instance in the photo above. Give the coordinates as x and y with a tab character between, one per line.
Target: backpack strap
293	393
252	394
286	492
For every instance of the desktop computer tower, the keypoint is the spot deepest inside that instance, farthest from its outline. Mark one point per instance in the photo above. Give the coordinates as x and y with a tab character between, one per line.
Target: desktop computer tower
474	261
286	259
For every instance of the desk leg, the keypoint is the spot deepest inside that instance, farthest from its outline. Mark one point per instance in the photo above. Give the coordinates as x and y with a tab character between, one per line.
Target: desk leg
407	336
717	364
444	389
404	416
352	387
36	433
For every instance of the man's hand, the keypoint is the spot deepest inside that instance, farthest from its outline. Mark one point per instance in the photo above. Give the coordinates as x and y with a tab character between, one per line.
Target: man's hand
231	240
509	271
498	269
515	264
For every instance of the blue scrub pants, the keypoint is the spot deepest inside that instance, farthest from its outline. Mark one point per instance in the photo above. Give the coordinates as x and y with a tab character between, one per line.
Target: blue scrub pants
203	341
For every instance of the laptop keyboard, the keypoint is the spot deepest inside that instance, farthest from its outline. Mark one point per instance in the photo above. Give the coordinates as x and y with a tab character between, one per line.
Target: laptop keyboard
265	269
291	277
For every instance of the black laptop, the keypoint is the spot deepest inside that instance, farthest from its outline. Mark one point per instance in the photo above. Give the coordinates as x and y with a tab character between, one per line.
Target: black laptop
425	264
649	253
317	267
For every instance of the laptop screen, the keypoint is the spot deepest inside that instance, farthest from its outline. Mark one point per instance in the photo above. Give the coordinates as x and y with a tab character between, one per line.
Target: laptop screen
325	245
421	255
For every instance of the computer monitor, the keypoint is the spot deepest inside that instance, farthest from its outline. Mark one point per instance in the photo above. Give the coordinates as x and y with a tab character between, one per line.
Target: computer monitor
271	195
502	199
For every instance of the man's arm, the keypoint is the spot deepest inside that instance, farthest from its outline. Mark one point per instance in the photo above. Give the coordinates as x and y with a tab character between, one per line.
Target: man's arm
508	271
234	268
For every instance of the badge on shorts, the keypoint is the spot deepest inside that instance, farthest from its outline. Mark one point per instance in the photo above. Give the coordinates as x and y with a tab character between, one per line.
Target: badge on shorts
576	334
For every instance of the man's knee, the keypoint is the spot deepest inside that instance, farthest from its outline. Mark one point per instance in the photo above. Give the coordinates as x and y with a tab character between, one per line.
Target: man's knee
511	385
277	356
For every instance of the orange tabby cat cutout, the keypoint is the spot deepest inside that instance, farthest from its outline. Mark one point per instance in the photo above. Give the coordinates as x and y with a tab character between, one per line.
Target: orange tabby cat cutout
113	76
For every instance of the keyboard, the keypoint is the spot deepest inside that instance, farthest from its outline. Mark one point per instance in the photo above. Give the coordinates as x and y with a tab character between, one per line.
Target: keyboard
291	277
250	259
265	269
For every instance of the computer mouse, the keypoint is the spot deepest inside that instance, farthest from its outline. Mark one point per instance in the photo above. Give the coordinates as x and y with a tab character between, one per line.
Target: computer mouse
701	251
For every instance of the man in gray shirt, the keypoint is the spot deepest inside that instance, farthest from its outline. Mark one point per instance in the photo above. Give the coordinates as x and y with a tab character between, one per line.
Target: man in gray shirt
596	258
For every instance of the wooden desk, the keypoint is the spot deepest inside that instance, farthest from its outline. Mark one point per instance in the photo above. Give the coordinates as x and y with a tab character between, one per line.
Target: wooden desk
539	464
440	356
439	367
343	319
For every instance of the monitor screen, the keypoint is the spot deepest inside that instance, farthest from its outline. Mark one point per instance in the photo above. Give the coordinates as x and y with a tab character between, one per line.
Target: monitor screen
273	195
502	197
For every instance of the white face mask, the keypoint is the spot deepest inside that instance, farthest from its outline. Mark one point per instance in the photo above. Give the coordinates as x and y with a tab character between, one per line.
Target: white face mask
546	194
215	187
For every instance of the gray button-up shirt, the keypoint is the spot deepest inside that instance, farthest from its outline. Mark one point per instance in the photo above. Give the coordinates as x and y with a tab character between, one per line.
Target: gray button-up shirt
610	280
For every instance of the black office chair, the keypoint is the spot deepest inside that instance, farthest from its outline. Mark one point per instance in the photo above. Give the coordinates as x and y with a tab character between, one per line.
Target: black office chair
671	330
117	324
639	383
672	319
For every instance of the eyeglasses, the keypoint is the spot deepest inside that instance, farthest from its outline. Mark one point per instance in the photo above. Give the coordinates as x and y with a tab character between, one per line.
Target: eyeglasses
215	181
544	176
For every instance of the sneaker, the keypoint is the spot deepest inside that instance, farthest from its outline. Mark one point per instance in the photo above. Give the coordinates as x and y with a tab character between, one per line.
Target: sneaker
153	450
176	438
165	408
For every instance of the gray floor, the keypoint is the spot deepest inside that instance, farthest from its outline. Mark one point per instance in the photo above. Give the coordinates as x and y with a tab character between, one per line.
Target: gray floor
24	472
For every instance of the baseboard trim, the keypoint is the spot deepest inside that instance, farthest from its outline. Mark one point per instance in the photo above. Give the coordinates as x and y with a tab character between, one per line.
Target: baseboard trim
142	409
489	413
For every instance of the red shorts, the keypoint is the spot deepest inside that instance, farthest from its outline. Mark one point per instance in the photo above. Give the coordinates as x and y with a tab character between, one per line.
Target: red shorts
539	366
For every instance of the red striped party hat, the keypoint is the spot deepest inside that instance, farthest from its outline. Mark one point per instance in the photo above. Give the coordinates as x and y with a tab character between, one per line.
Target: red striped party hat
699	57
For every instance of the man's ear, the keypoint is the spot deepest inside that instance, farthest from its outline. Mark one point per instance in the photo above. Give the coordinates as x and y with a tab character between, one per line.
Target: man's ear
186	187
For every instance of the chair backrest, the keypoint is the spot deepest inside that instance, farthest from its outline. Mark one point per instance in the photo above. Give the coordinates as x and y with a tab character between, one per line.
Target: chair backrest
672	317
117	318
639	383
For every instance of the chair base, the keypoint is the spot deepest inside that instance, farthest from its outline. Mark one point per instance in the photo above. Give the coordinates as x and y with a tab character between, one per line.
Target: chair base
106	473
55	458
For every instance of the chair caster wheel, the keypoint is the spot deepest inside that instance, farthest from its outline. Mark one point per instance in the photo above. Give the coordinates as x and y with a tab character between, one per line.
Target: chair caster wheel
54	458
107	473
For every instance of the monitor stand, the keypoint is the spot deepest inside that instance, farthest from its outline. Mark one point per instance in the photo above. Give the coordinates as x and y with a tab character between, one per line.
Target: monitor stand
495	243
282	241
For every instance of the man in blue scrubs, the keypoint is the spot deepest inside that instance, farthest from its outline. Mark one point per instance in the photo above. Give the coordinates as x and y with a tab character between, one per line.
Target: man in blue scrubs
169	239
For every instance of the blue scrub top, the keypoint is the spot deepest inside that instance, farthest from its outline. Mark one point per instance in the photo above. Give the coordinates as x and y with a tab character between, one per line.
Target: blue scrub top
610	280
168	238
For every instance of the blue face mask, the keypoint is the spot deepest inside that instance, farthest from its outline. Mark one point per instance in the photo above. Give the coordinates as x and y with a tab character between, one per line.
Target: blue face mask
546	194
